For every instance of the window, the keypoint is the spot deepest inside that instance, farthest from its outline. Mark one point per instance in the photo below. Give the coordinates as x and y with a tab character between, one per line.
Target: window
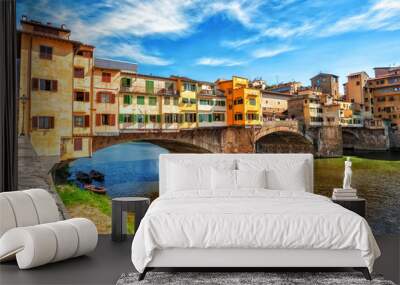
127	99
77	144
140	100
152	101
44	84
252	101
41	122
192	101
167	101
81	96
238	116
185	100
46	52
105	97
190	117
140	118
79	72
154	118
220	103
218	117
84	53
171	118
81	121
189	86
150	86
205	118
252	116
126	82
105	120
238	101
358	83
125	118
204	102
106	77
176	101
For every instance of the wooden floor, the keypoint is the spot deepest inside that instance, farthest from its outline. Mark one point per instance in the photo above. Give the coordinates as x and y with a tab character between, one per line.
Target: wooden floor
111	259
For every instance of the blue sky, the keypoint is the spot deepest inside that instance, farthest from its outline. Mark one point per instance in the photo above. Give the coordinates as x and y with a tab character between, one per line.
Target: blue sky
206	40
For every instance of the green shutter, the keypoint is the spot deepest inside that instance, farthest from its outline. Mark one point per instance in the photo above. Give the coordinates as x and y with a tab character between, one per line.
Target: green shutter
121	118
133	118
158	118
140	100
150	86
146	118
210	117
127	99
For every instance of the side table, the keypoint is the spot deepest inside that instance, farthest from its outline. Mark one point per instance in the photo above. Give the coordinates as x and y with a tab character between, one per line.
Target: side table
357	205
120	207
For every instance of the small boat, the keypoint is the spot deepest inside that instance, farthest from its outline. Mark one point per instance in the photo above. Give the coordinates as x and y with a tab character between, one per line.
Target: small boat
95	189
83	177
96	175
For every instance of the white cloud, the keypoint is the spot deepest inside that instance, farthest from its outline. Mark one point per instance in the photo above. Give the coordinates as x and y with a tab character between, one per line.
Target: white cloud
383	15
133	52
210	61
271	52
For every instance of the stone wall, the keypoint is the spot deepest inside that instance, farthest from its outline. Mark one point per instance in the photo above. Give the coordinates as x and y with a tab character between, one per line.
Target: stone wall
365	139
394	139
327	141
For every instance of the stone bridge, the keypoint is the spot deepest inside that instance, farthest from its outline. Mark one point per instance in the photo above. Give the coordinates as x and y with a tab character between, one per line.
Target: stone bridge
272	136
216	140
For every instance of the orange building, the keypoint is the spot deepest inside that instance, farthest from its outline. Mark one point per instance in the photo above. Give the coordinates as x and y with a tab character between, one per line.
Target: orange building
243	102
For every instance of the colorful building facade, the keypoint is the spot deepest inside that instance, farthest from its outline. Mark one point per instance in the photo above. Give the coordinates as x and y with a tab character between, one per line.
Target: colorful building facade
244	102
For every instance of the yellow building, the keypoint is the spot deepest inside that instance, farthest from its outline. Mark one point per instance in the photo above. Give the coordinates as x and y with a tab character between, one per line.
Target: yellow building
244	103
47	56
187	89
147	103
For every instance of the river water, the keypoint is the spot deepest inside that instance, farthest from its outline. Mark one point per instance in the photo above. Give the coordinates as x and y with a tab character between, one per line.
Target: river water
132	169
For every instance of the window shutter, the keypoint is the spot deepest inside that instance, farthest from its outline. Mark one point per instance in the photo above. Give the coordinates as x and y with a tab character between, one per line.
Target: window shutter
146	118
87	121
34	122
158	118
98	119
35	83
112	120
98	97
77	144
87	96
210	118
133	118
54	85
51	119
112	98
121	118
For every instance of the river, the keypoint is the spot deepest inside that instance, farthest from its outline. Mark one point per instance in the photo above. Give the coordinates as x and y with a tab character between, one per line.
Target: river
132	169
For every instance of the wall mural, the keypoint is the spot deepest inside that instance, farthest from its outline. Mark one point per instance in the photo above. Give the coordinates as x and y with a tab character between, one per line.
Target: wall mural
104	124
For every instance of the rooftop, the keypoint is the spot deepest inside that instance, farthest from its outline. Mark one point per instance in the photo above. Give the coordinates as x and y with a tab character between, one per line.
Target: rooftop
321	74
115	65
25	20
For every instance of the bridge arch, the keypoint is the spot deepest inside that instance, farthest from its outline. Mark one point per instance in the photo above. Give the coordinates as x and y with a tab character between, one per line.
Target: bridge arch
350	138
284	141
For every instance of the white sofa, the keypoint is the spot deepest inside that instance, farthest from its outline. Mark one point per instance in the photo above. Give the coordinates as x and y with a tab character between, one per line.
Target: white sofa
32	233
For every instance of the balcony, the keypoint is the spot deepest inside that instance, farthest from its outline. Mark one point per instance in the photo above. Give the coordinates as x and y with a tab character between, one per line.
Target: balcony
166	92
125	89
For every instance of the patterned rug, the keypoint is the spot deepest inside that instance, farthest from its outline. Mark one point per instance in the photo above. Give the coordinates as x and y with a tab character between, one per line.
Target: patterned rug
243	278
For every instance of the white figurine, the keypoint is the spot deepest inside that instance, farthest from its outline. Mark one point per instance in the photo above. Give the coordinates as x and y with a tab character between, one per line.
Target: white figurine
347	174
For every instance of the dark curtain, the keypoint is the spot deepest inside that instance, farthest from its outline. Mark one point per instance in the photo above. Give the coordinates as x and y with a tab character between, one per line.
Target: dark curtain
8	97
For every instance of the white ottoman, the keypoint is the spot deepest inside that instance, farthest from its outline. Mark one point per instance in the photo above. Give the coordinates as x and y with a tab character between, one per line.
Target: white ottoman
33	243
